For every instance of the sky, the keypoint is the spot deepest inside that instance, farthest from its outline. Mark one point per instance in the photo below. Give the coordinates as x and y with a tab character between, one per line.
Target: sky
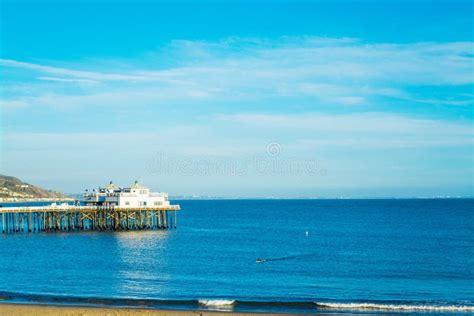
240	98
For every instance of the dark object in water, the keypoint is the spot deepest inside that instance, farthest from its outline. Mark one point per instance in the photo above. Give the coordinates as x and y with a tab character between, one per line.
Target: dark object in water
293	257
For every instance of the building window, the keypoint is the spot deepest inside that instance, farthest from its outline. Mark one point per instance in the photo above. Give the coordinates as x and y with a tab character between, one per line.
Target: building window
127	203
142	191
142	203
157	203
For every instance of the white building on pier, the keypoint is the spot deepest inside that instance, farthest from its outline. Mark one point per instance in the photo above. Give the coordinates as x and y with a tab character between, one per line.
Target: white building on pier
136	195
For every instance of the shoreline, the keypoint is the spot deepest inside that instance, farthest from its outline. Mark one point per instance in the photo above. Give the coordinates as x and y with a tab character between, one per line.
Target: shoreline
22	309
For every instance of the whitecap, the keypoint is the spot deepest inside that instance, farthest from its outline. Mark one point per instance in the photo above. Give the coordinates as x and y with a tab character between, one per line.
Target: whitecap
396	307
217	303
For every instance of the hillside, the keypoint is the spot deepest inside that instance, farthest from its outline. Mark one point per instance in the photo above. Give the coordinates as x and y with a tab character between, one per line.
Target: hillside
13	189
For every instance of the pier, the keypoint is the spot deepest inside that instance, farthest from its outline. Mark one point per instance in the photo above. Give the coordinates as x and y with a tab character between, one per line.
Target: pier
86	218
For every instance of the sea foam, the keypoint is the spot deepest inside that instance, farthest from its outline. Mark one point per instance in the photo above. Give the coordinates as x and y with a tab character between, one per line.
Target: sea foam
395	307
217	303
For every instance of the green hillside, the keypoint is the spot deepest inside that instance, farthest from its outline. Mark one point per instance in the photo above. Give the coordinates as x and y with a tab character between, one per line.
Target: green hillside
13	189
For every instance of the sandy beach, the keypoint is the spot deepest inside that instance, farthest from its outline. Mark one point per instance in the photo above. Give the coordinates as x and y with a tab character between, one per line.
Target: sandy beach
48	310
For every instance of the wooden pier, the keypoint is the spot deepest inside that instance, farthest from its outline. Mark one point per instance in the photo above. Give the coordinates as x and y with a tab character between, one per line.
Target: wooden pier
91	218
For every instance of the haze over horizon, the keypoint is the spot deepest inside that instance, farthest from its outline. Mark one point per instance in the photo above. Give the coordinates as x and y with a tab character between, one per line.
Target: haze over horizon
239	99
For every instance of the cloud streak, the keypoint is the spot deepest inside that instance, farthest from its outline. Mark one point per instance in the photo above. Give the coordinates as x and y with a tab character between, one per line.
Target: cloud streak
67	80
364	130
370	113
345	72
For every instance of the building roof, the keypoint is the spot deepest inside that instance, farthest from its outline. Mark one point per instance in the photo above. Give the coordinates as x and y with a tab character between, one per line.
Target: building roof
136	185
111	186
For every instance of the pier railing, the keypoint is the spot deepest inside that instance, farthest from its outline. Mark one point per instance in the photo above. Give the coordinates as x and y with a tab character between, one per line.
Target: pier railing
77	218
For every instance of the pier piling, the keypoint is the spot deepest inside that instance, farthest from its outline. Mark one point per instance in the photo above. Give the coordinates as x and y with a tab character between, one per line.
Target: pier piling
91	218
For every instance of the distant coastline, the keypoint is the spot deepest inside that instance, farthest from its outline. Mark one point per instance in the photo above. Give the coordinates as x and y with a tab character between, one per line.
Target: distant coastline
178	197
223	198
33	200
13	189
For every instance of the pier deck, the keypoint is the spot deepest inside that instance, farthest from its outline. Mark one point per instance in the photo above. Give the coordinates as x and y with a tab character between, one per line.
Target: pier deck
76	218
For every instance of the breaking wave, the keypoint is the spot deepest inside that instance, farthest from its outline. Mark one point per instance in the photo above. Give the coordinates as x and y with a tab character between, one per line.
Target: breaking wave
217	303
303	306
395	307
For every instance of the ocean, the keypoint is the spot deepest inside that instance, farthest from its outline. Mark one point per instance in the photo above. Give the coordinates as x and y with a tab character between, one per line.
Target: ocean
318	256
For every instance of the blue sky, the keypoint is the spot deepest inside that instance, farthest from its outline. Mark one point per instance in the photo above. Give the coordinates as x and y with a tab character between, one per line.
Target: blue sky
240	98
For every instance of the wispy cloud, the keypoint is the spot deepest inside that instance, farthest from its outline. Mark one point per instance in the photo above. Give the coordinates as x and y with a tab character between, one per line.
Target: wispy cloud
344	102
356	149
68	72
360	129
330	71
293	131
67	80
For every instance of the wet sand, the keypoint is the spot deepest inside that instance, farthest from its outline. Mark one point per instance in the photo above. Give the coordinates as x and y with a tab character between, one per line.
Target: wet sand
48	310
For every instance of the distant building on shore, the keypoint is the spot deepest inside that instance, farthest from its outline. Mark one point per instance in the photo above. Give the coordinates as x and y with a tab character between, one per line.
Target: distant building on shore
136	195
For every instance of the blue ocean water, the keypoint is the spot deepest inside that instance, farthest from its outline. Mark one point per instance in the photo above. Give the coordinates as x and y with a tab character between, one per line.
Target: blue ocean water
321	255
